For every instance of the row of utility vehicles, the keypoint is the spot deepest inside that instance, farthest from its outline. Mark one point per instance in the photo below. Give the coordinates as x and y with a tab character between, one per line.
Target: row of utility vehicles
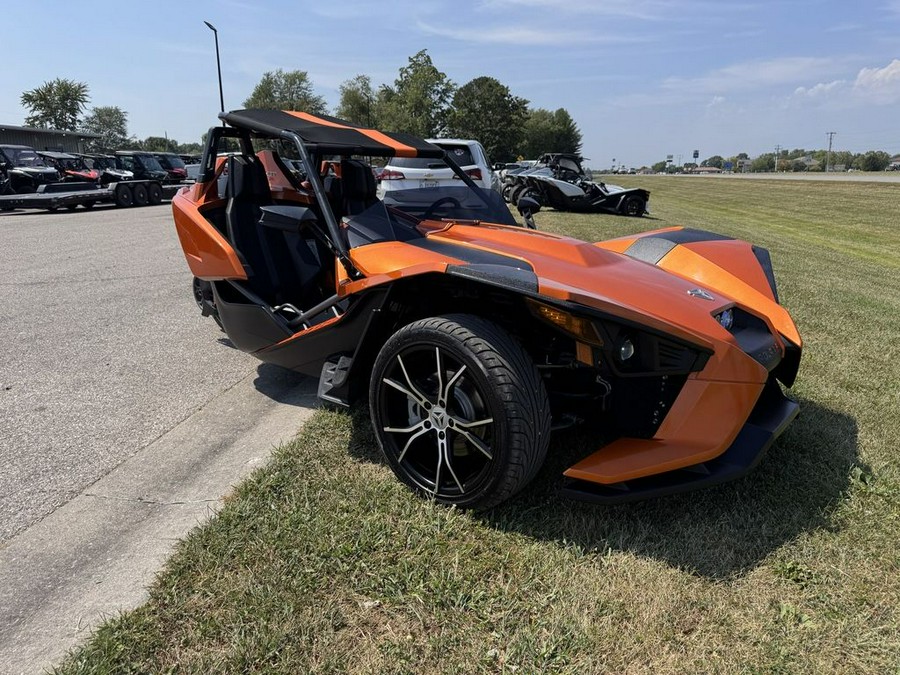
50	180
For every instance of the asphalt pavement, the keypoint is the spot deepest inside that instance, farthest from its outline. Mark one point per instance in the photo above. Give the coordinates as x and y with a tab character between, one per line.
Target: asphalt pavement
124	418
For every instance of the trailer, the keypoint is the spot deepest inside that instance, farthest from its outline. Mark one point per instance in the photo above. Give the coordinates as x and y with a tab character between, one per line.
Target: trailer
70	196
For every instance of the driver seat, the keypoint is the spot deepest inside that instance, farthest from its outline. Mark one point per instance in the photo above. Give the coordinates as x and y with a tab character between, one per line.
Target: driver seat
362	224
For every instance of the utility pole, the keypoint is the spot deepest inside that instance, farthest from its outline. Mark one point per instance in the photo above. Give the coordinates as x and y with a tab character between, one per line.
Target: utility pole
830	135
777	153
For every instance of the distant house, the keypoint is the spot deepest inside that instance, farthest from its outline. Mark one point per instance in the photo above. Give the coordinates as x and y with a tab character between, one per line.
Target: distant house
45	139
895	163
706	169
809	162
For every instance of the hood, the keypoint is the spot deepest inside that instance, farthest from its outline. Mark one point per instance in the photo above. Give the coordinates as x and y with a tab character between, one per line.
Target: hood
36	170
576	271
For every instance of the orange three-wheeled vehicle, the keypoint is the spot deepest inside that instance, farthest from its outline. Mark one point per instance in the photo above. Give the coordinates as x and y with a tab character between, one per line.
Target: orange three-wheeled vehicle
472	337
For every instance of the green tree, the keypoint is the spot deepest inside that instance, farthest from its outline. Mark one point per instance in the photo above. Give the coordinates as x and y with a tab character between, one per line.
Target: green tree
716	161
547	131
159	144
358	104
419	101
189	149
56	104
568	136
659	166
765	162
485	110
111	122
286	90
873	160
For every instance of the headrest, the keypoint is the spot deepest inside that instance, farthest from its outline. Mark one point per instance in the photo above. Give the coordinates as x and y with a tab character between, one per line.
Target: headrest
359	182
246	179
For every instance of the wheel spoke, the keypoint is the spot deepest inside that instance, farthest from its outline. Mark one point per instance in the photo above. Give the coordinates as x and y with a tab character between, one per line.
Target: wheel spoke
442	401
437	472
399	387
442	444
456	376
470	425
399	430
409	441
422	399
476	442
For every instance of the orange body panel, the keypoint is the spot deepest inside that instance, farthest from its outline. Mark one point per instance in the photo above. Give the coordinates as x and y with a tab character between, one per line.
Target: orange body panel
703	422
209	255
726	266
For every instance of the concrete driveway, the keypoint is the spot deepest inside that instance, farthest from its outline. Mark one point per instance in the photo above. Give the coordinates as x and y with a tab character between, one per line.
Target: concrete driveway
124	416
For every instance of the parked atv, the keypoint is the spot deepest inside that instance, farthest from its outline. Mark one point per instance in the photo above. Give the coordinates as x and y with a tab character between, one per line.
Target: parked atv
71	168
23	169
108	168
558	180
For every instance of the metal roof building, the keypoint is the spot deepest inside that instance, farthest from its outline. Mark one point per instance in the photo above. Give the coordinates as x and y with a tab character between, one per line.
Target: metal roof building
45	139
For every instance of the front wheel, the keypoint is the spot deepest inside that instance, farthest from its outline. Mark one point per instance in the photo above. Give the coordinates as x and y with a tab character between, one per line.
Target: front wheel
634	206
459	410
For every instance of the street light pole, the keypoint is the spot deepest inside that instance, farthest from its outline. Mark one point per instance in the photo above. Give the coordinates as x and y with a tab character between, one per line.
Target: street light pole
218	67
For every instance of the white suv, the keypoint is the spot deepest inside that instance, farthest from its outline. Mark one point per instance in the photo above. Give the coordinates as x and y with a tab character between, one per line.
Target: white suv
411	173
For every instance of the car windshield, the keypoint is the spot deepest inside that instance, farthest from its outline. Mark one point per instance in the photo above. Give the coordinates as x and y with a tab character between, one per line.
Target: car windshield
396	217
71	163
150	163
171	162
417	163
26	157
461	154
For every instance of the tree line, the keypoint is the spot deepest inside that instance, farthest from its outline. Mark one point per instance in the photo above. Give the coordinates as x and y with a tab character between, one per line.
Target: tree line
421	101
798	159
62	104
424	102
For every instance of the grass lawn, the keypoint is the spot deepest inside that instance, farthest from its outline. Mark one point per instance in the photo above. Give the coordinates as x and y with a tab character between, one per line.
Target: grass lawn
322	562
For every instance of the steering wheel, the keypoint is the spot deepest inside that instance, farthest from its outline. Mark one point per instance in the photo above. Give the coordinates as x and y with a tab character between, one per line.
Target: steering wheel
443	200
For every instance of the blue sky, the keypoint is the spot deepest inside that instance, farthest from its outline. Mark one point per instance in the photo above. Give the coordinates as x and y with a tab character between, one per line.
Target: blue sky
642	78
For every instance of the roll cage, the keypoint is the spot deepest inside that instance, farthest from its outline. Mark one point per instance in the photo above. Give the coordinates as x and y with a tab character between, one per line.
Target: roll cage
316	138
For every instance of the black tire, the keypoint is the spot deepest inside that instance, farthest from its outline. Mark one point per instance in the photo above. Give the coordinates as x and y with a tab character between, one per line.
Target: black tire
459	392
140	195
154	194
633	206
124	195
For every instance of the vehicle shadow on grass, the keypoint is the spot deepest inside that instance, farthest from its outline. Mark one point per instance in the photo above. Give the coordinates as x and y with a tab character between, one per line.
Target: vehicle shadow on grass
718	533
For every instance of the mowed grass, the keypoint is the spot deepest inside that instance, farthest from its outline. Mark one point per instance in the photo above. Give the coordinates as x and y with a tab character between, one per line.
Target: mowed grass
322	562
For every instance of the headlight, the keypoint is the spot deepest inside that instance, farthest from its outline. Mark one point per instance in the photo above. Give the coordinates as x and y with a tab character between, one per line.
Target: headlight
726	318
625	350
578	327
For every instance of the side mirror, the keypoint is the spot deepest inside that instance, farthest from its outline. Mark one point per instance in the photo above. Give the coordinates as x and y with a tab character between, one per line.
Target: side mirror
528	206
499	166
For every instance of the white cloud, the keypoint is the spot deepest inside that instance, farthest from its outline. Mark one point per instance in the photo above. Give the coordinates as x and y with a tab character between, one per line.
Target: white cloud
881	85
647	10
525	35
871	85
820	90
753	75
